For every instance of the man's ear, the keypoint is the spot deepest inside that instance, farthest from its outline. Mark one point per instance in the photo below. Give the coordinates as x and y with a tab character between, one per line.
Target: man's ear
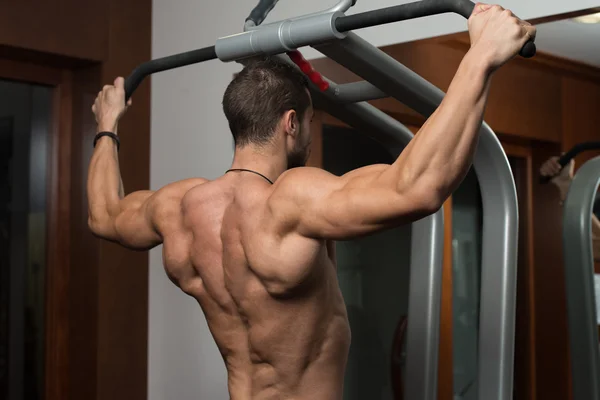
292	125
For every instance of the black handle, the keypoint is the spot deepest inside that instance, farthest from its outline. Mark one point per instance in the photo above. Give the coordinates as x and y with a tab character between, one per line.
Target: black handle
417	9
165	63
260	12
571	154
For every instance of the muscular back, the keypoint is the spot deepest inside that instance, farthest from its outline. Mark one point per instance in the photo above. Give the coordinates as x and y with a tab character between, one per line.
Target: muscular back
271	300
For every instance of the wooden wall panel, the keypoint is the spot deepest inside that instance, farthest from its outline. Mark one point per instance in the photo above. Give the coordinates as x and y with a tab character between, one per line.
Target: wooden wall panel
102	308
581	115
72	28
446	349
515	88
123	274
551	342
83	293
525	103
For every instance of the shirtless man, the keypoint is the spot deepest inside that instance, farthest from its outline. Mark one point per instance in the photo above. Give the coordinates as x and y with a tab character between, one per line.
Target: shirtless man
258	256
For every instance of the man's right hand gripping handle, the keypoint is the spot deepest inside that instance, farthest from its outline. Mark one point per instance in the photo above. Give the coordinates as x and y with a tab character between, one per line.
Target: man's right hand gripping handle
497	34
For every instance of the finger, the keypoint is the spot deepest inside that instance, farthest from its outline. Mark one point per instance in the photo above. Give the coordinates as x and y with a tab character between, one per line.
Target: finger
529	33
120	82
508	13
107	87
480	7
129	102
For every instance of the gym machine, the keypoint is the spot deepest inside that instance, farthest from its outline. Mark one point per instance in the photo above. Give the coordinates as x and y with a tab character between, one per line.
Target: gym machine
330	32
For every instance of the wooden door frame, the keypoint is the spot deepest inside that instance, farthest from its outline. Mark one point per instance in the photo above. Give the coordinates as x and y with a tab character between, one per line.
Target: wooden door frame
524	152
58	181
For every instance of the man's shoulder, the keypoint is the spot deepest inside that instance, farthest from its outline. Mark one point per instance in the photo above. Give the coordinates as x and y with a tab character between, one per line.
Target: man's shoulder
302	178
180	188
297	188
172	195
302	173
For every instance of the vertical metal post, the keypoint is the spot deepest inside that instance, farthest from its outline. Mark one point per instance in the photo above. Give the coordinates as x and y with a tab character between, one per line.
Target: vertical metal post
579	277
500	217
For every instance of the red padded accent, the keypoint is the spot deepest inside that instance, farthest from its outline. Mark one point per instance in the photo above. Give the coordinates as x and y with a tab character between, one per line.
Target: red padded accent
306	67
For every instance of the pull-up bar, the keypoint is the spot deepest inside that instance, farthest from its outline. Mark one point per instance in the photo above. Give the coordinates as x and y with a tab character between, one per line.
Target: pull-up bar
283	36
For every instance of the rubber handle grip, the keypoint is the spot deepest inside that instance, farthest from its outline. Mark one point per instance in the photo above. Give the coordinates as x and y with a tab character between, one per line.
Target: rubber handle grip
164	64
306	67
260	12
571	154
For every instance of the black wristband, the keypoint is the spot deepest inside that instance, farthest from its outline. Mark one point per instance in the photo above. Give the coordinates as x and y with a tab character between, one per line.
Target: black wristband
109	134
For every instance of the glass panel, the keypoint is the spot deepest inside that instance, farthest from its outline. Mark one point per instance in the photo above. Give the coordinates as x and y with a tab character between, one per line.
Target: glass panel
466	266
25	112
374	277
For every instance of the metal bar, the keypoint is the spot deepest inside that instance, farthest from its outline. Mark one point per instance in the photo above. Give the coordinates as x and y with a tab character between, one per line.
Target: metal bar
579	275
427	246
279	37
165	63
342	6
291	34
358	91
414	10
500	216
259	13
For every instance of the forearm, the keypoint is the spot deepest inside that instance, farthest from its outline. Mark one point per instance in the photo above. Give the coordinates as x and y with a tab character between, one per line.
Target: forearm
441	153
104	186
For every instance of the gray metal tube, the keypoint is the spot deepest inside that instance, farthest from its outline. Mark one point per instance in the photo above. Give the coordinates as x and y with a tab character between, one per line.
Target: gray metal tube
358	91
500	215
579	276
426	251
342	6
279	37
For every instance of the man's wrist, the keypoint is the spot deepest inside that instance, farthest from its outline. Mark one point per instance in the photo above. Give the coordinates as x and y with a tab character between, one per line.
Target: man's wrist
107	127
479	59
104	136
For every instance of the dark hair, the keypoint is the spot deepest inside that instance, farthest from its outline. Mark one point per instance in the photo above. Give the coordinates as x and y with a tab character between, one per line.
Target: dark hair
259	95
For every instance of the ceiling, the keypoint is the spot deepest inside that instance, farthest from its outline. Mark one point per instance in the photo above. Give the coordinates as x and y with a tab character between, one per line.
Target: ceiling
570	39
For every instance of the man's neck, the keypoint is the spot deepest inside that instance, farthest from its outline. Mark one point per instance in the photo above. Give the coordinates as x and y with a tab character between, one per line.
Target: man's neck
268	161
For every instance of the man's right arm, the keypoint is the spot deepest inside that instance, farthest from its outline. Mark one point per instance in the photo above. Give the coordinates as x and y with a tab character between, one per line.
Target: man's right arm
378	197
320	205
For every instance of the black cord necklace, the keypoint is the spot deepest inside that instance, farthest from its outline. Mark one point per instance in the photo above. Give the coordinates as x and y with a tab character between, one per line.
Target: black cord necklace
249	170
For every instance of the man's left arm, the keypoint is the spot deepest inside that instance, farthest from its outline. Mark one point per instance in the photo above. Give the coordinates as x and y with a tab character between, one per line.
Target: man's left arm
112	215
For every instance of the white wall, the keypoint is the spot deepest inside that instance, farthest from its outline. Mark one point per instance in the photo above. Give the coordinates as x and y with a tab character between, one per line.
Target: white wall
572	40
190	137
